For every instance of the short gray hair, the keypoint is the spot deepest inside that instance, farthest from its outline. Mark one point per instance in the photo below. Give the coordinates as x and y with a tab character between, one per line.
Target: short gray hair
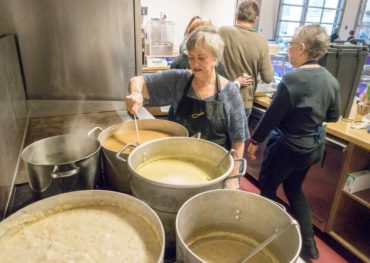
208	36
248	11
315	39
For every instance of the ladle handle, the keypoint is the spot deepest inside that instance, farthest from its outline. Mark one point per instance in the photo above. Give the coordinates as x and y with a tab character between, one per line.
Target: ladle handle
269	240
118	155
137	130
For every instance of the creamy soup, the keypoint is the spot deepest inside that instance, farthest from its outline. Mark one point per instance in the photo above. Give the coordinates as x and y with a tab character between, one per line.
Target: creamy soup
179	170
89	234
231	247
120	138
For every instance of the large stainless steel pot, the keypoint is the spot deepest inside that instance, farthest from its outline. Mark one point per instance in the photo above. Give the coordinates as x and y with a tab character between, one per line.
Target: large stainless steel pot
166	198
63	163
115	171
82	199
241	212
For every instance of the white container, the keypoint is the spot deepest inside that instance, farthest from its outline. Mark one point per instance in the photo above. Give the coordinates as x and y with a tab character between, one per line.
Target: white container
357	181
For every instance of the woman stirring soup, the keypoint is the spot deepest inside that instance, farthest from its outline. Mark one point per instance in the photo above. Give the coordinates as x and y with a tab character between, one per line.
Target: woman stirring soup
200	99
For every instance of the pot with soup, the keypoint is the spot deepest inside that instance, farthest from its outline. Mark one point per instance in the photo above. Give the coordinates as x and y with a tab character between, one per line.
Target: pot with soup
117	136
83	226
166	172
227	226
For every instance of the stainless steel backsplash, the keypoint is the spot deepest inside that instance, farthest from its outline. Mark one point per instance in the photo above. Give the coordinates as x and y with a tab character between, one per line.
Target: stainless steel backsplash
13	116
77	49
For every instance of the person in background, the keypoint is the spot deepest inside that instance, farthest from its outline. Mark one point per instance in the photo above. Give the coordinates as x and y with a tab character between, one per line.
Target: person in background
182	60
246	52
305	98
351	35
186	33
200	99
335	35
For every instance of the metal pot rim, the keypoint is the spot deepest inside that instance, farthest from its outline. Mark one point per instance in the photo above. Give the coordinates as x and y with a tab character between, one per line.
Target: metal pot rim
190	186
186	203
25	150
96	197
109	130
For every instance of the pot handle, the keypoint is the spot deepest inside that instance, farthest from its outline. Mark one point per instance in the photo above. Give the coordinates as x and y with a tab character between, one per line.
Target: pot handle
57	174
93	130
118	155
244	166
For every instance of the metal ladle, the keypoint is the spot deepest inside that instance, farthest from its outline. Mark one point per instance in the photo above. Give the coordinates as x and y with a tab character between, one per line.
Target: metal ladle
137	130
220	162
264	244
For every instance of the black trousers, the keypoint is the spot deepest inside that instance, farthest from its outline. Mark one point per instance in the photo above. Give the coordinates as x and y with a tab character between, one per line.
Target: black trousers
284	166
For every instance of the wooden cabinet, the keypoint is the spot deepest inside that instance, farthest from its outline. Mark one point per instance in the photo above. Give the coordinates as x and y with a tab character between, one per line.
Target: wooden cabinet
349	220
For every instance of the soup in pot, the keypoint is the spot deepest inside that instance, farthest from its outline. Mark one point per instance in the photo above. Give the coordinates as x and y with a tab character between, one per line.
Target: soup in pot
120	138
219	246
93	233
178	170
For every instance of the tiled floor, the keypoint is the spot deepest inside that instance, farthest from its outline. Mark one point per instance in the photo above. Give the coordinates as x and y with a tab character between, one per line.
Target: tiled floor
330	250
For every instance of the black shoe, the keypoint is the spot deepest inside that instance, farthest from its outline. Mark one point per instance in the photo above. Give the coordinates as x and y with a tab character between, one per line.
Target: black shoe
309	250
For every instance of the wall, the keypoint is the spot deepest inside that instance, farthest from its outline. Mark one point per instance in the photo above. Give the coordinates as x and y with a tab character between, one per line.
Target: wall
81	50
12	118
6	19
268	17
349	18
180	12
221	12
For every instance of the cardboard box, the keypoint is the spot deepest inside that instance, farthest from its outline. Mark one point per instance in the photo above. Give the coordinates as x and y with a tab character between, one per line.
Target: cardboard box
357	181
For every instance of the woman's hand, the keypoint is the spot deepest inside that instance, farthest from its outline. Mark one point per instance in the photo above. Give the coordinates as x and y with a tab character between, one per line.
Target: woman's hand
251	151
244	80
138	90
134	101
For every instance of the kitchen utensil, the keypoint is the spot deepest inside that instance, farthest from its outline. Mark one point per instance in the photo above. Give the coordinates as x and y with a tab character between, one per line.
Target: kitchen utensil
220	215
137	130
115	169
63	163
124	209
167	198
265	243
221	162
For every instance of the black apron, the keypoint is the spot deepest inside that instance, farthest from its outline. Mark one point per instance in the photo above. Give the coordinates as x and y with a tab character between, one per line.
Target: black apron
203	116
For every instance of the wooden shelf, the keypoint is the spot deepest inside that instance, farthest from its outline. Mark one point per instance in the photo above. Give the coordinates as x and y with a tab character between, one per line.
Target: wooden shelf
352	246
351	227
363	197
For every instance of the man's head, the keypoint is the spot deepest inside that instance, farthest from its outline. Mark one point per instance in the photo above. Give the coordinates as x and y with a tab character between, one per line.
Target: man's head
248	11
